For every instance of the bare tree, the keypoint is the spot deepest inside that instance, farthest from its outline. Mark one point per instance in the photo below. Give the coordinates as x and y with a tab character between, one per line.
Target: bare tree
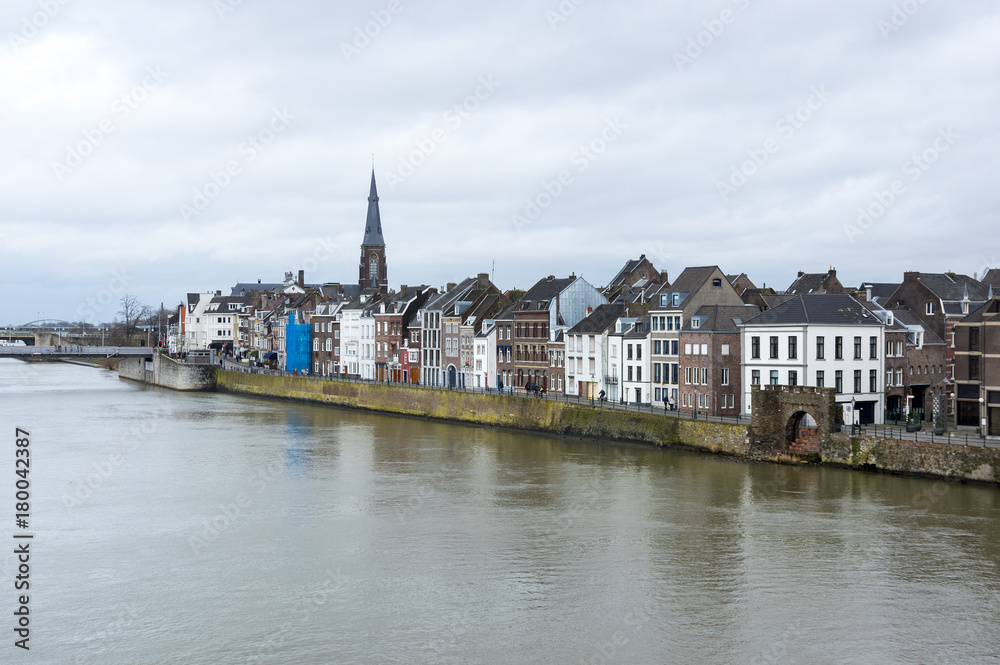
131	311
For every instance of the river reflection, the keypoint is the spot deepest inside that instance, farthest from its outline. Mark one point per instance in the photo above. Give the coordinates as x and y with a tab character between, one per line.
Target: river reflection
239	530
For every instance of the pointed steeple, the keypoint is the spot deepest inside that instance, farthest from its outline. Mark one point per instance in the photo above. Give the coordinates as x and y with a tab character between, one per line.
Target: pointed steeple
373	226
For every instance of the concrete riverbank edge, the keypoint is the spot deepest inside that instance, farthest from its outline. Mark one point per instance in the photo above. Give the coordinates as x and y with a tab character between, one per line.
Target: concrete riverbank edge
871	454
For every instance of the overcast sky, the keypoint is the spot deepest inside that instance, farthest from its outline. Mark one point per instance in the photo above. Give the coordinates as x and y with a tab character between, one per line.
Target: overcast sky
169	147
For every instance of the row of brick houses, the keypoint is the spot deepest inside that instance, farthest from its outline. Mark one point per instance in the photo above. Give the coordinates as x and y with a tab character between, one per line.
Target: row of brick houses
927	345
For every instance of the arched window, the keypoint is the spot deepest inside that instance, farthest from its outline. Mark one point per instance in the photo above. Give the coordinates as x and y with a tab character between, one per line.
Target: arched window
373	267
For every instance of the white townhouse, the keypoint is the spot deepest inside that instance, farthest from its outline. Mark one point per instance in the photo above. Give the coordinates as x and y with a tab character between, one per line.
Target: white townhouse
197	322
636	382
616	358
350	336
485	356
830	341
587	352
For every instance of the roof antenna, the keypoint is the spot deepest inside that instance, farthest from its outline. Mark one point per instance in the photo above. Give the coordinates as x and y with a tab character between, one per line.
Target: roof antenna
373	161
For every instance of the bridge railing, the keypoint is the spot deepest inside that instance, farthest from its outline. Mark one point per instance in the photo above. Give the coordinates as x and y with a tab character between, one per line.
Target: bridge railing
74	350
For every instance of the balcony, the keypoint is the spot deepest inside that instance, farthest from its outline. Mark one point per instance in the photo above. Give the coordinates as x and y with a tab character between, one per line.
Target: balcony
611	380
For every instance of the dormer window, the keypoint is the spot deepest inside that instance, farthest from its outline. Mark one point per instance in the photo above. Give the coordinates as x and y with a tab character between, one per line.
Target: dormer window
695	322
677	299
717	283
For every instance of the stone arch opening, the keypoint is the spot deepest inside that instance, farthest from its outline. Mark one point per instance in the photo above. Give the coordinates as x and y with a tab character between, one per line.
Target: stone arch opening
802	432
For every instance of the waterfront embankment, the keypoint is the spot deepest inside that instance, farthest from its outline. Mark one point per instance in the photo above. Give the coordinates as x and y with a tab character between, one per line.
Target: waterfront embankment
968	463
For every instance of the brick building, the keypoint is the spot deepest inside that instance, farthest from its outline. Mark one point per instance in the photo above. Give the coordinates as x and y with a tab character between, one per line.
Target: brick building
977	368
709	359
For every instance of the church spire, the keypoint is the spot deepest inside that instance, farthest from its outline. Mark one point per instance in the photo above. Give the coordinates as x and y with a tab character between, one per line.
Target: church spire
373	226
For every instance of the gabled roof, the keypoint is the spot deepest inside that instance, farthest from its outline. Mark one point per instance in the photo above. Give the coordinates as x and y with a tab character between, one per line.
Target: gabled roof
825	309
992	278
908	318
445	300
639	329
881	291
990	307
599	321
953	287
373	225
690	281
721	318
548	288
807	283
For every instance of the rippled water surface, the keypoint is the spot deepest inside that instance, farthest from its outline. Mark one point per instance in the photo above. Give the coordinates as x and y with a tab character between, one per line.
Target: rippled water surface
204	528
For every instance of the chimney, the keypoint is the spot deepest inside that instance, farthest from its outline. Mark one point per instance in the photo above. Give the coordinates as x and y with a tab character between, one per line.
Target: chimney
484	280
258	280
911	276
663	277
833	272
590	310
403	289
450	286
801	273
550	278
302	278
218	293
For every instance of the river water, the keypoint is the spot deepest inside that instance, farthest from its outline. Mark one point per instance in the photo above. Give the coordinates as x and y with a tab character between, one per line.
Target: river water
207	528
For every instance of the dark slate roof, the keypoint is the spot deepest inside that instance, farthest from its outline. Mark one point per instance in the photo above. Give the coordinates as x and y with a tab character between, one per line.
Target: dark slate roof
881	291
689	281
373	225
600	320
546	289
445	300
988	307
952	286
992	278
775	299
722	318
639	329
907	317
246	287
827	309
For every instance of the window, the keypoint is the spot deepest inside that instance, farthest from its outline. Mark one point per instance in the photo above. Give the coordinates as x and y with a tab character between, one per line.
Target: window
638	351
638	373
656	348
704	349
774	348
670	323
793	348
677	323
820	378
838	350
899	377
973	339
687	376
857	348
755	377
839	381
656	323
873	348
774	377
316	329
793	377
629	372
873	381
704	376
929	308
857	381
973	368
629	352
755	348
695	322
725	350
717	283
656	374
687	349
315	345
820	348
725	376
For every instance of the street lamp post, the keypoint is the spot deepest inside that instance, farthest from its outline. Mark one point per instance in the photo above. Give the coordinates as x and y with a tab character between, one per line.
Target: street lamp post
982	417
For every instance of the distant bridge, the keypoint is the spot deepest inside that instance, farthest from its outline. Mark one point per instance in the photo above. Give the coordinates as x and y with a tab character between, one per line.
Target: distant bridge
69	351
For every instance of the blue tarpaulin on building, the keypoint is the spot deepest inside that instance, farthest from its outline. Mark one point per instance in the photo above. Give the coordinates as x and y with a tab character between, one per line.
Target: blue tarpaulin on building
298	349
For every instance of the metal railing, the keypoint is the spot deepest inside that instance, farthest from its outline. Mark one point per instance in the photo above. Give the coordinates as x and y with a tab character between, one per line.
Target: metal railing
950	437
